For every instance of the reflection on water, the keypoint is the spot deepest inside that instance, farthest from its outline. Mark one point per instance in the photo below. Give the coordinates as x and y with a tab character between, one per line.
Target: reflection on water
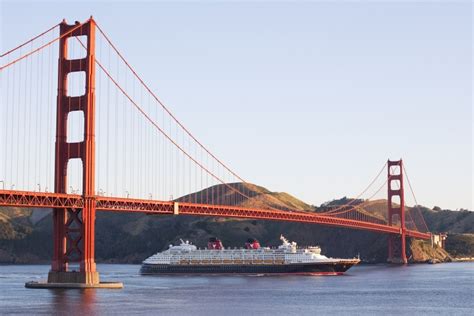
426	289
67	300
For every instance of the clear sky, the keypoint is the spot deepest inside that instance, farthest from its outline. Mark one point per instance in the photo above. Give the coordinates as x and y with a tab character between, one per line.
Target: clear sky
308	97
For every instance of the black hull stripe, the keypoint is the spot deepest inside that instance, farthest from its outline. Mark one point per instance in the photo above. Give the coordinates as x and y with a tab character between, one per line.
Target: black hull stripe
336	268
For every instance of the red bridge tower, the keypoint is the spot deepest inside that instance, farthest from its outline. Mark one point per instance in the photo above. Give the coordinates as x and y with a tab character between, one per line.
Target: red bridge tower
396	212
73	228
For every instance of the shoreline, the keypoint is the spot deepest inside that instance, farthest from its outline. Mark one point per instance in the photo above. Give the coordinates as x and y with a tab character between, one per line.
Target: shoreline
463	259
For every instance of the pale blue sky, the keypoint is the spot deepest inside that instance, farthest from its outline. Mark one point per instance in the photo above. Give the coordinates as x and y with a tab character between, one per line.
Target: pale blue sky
305	97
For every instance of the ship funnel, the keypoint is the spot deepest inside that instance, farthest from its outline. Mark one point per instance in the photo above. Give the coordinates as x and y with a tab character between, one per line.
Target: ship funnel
215	243
252	243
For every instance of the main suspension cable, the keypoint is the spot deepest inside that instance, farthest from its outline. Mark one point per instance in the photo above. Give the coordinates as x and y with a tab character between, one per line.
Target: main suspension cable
41	47
30	40
361	204
165	107
363	192
414	197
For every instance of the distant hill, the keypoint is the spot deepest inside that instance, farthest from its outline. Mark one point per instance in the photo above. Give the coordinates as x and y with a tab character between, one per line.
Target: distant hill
456	222
438	221
258	197
26	235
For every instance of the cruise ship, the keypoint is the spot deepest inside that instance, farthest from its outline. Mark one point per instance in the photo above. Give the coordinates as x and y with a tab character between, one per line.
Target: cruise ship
287	258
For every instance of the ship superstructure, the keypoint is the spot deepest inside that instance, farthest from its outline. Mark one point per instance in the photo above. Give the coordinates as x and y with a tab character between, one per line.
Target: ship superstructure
287	258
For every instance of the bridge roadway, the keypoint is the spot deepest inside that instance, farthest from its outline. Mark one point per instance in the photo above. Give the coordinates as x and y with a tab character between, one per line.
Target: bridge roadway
57	200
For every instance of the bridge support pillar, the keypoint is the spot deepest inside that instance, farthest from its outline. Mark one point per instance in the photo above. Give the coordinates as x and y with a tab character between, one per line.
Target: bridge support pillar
74	227
396	212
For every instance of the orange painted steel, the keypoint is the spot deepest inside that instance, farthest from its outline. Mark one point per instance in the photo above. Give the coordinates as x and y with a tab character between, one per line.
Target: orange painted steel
29	41
396	244
74	226
39	199
53	200
63	35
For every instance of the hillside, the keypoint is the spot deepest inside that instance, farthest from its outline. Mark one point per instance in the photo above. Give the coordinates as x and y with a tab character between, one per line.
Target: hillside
257	196
25	235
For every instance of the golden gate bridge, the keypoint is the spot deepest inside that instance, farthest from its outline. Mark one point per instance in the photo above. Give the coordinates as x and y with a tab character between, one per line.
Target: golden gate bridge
117	147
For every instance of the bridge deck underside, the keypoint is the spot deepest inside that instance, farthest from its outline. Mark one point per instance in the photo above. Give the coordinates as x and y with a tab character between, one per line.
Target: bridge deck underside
56	200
